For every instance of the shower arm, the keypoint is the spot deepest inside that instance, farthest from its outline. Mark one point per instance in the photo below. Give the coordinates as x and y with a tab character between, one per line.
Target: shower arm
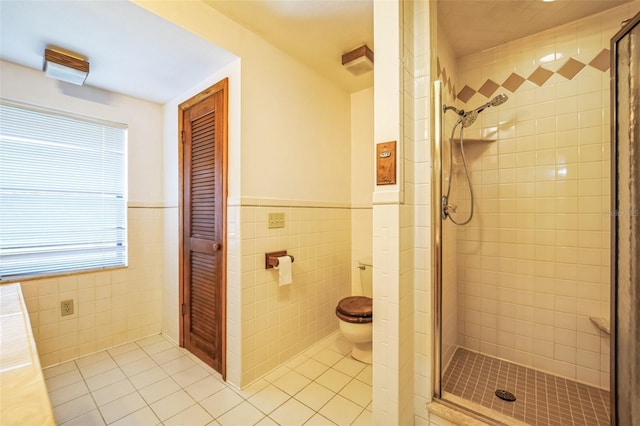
446	108
463	113
498	100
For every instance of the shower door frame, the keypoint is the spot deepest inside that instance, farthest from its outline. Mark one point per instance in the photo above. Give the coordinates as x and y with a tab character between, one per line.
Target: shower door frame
614	368
436	258
436	238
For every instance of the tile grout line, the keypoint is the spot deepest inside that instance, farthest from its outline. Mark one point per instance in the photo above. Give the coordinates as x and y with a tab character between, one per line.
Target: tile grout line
127	377
336	393
539	391
244	397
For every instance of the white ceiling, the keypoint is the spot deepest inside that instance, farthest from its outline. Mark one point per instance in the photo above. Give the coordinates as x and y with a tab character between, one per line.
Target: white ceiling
130	50
135	52
475	25
316	32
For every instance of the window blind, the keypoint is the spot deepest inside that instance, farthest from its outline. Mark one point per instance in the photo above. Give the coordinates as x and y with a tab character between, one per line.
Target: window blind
63	204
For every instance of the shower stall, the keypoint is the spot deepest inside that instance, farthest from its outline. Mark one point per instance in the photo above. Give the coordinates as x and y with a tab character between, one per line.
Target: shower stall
522	229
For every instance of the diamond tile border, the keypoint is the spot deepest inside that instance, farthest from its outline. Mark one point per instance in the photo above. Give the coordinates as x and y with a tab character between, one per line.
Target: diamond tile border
466	93
571	68
513	82
602	61
540	76
447	81
489	88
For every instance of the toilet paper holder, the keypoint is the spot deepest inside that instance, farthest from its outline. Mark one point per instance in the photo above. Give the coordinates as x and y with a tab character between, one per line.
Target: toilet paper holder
271	259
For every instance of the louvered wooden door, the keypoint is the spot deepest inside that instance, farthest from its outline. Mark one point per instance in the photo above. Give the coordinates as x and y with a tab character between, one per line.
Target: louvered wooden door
203	225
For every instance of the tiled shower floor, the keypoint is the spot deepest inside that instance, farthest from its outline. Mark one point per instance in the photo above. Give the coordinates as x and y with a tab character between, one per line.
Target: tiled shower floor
541	398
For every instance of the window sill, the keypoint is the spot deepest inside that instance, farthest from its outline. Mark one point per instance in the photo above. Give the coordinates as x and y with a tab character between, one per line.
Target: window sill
43	276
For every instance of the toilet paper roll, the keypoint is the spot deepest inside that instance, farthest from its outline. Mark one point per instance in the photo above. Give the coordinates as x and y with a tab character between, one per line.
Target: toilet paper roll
284	270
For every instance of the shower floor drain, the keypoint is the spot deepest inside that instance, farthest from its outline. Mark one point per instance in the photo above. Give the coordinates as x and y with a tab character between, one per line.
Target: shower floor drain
505	395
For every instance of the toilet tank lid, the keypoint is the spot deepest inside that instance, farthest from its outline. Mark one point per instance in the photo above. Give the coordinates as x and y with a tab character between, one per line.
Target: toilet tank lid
367	261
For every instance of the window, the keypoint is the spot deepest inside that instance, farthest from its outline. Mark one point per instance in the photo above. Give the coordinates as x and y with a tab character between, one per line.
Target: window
63	204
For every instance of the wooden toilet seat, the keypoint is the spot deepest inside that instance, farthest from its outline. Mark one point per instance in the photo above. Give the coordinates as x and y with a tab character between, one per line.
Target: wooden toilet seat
355	309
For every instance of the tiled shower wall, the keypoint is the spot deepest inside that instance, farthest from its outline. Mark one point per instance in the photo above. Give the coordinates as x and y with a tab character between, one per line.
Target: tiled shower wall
110	307
533	265
410	244
280	322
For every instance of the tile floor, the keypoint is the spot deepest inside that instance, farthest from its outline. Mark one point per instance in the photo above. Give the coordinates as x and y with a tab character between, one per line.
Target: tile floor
153	382
541	399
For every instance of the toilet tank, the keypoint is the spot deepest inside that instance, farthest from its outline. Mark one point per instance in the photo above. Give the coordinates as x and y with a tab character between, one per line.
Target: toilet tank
366	276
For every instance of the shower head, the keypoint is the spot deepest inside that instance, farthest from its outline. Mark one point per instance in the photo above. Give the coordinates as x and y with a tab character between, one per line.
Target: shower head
468	118
498	100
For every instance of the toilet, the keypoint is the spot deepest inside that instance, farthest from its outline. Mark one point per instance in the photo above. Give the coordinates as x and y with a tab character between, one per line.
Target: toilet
355	314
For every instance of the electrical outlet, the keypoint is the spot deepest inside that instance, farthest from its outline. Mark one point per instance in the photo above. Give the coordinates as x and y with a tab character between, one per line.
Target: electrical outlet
66	307
276	220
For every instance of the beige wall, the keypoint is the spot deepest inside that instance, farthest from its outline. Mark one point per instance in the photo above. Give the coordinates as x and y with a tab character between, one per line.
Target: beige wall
294	123
534	262
121	305
289	142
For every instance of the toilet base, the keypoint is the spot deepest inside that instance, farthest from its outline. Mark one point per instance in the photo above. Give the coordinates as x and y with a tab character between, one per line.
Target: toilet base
362	352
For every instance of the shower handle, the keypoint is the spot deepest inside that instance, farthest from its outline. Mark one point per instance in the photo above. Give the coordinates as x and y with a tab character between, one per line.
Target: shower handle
446	207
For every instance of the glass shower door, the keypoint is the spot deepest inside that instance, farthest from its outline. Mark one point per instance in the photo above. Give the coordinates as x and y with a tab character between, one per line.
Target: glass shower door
625	212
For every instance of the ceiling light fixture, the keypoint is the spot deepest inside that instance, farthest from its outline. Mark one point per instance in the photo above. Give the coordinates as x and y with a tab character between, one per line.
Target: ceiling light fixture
65	67
358	61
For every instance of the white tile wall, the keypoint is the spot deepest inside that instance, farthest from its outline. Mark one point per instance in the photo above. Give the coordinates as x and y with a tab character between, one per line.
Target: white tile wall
423	32
277	323
170	278
408	210
388	98
111	307
401	227
234	318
